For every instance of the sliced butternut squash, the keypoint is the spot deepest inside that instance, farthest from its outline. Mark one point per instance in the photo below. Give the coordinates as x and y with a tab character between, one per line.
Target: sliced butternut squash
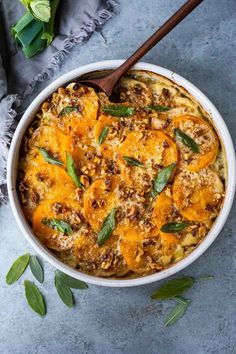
131	247
197	194
82	120
50	237
149	147
99	199
110	143
203	134
162	209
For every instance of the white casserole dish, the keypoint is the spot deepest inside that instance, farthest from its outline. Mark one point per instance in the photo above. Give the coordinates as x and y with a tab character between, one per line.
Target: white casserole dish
219	125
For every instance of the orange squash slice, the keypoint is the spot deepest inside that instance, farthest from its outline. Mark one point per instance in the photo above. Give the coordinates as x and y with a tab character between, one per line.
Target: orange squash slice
99	199
162	209
148	147
196	194
203	134
109	145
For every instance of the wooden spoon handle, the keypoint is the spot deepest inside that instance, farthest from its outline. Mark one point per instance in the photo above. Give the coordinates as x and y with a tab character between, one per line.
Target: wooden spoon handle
156	37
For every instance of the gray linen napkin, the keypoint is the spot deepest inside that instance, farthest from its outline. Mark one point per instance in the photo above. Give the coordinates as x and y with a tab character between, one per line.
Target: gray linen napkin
77	21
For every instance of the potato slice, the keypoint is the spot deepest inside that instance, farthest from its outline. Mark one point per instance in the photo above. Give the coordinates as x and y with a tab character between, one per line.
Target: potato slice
196	195
99	199
135	91
203	134
109	145
149	147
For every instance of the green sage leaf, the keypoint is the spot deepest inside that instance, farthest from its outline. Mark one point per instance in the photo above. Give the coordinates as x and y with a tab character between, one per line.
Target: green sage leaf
131	161
103	135
162	179
107	228
36	268
64	292
173	227
71	282
68	109
34	298
177	312
118	110
59	225
71	170
159	108
173	288
17	269
186	140
48	158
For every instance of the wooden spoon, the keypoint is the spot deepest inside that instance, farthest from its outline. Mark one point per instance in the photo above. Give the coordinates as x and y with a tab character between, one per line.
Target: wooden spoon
108	82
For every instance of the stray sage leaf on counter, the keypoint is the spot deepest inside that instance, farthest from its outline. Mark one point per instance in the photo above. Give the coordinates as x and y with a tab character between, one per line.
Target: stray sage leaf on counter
48	158
177	312
186	140
64	292
173	227
71	170
159	108
36	268
107	228
34	298
69	109
173	288
17	269
131	161
162	179
103	135
118	110
59	225
71	282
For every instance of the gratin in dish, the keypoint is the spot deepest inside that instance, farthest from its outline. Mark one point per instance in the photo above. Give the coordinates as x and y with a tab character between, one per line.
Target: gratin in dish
122	189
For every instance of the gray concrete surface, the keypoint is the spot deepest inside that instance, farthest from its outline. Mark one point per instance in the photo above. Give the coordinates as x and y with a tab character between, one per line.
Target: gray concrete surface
110	321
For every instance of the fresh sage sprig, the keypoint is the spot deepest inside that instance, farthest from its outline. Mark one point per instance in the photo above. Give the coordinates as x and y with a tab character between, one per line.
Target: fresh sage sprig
162	179
64	283
64	292
103	135
158	108
107	228
71	282
48	158
71	170
172	290
36	268
178	311
186	140
68	109
118	110
131	161
34	298
17	269
59	225
173	227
